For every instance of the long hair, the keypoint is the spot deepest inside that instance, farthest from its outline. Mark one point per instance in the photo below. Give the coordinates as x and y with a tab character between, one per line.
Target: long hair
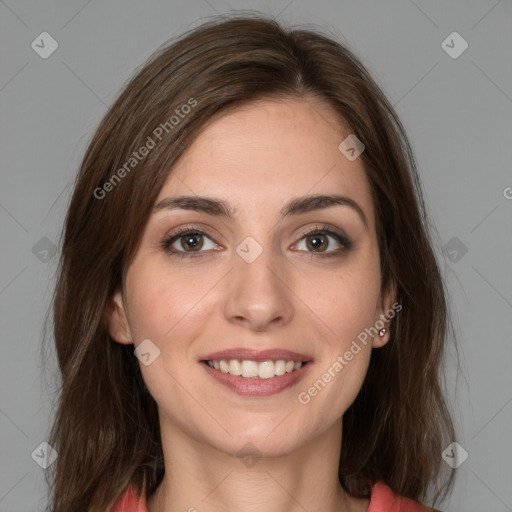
106	428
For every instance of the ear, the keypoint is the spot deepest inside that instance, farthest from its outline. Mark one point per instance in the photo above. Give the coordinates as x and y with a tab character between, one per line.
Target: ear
118	320
388	309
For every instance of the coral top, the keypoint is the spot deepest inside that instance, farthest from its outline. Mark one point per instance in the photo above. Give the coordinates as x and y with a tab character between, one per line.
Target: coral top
382	500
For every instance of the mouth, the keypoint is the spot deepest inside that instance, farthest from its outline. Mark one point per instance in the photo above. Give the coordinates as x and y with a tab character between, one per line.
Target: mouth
256	373
249	369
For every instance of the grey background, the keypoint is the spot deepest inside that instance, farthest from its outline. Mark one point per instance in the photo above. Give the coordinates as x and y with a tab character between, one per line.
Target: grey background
457	113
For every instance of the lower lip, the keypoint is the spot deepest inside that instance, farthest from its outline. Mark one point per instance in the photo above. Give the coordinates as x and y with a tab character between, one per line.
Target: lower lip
258	387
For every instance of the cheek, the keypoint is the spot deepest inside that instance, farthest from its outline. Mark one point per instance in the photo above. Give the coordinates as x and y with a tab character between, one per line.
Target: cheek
347	305
336	381
170	309
347	302
166	306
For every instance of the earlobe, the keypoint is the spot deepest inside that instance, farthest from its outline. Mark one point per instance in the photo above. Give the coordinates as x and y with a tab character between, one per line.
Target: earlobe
381	338
383	325
117	319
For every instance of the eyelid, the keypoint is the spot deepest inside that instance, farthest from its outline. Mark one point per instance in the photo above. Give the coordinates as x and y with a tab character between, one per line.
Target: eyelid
189	229
324	229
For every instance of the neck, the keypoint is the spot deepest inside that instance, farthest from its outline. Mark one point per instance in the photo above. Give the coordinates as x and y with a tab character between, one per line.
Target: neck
200	478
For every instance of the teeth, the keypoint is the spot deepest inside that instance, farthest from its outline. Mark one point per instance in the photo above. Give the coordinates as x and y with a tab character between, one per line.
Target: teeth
254	369
249	369
280	367
266	370
235	367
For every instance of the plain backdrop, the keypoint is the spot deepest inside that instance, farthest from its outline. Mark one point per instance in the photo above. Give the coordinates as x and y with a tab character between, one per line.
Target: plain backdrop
455	103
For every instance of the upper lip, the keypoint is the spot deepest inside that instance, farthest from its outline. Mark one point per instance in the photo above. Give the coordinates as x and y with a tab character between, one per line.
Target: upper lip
251	354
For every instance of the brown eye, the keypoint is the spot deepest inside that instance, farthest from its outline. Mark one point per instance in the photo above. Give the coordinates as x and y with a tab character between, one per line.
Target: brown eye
324	242
194	241
188	242
317	243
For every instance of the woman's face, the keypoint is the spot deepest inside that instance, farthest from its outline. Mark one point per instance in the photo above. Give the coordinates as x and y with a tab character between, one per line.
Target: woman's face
264	269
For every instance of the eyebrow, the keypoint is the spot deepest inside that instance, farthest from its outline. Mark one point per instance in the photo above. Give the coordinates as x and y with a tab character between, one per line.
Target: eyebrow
297	206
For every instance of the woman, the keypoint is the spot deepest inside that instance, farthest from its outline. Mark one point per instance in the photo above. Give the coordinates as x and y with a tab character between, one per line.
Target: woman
249	314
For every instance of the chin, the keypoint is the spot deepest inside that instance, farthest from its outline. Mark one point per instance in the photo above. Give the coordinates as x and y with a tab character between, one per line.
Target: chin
266	438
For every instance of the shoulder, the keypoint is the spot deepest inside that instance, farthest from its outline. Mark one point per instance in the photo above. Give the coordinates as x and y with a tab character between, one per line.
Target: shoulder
129	501
383	499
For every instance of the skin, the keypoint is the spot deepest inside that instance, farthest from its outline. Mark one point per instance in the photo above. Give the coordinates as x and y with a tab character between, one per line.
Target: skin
256	158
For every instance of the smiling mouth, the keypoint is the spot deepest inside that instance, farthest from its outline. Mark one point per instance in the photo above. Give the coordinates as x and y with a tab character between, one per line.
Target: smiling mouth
255	369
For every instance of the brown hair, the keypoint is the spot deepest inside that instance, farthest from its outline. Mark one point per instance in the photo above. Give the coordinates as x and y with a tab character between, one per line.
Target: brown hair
106	428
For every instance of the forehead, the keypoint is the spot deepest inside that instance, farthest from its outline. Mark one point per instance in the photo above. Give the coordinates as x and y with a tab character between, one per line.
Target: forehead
264	153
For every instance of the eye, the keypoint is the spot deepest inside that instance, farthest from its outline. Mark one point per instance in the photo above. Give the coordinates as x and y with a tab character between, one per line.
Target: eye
188	242
191	242
320	241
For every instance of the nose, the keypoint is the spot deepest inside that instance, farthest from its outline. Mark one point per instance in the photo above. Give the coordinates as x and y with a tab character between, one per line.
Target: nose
259	293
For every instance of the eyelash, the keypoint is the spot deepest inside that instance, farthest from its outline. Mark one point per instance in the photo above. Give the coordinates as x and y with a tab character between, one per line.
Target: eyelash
322	230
